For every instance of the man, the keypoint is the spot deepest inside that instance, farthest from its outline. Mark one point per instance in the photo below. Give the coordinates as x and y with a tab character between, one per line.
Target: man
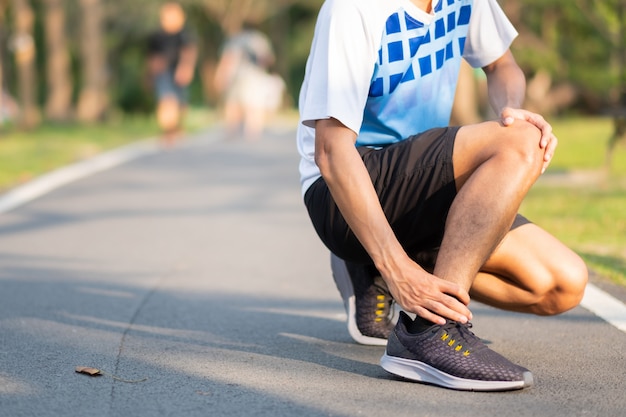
422	213
172	56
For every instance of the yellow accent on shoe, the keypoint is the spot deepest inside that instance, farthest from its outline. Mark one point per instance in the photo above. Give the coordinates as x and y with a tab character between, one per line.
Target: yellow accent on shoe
445	336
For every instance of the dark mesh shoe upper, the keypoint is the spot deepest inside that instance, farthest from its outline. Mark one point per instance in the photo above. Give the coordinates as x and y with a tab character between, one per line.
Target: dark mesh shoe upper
373	301
453	349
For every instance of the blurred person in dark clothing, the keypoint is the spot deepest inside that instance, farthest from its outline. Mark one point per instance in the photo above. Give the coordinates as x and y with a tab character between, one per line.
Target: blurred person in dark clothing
172	55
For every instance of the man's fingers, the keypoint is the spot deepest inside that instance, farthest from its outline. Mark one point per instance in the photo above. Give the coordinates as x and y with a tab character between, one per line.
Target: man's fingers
452	306
551	148
455	310
547	136
456	292
430	316
432	298
438	313
549	153
437	306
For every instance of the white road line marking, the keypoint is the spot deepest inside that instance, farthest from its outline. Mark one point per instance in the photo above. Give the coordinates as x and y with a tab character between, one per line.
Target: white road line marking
62	176
605	306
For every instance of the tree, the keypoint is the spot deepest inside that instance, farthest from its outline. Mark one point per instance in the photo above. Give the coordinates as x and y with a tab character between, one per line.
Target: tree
93	100
608	18
466	108
59	87
232	14
24	49
288	23
2	9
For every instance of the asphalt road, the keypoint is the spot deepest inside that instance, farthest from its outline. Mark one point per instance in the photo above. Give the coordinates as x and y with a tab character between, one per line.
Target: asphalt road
193	279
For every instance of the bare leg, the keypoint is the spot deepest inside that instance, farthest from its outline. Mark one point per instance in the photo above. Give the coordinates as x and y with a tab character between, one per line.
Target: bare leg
532	272
528	271
168	118
233	116
254	122
494	167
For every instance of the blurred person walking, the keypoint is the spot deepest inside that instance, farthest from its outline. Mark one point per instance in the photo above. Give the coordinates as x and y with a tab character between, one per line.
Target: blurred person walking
250	92
172	56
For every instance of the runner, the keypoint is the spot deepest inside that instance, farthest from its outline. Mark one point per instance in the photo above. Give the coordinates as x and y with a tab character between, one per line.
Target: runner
420	213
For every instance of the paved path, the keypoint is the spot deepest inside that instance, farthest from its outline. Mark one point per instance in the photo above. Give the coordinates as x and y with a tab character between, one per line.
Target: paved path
197	269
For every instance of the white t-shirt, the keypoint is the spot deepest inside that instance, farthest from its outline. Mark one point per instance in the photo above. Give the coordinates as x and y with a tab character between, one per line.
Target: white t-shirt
388	70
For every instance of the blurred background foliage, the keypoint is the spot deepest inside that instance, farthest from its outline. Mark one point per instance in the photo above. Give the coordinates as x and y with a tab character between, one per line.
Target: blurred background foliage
97	44
84	60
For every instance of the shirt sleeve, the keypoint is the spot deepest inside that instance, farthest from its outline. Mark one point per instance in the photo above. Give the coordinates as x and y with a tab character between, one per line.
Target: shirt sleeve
490	34
340	67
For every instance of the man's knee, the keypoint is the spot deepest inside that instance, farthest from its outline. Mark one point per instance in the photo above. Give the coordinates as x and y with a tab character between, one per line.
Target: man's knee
521	143
565	290
514	149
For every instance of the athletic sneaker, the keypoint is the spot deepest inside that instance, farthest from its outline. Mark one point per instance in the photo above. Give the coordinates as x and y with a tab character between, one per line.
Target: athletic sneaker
368	303
450	356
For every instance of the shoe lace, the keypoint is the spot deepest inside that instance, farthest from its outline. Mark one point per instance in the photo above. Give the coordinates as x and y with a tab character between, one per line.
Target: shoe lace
384	307
384	303
458	336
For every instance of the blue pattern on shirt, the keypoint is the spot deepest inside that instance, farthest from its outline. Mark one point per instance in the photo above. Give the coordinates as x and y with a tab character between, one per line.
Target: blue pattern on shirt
414	80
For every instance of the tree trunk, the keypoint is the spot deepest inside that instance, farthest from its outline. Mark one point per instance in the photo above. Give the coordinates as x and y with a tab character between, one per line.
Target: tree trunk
59	100
1	79
621	52
24	49
466	101
1	64
93	98
232	14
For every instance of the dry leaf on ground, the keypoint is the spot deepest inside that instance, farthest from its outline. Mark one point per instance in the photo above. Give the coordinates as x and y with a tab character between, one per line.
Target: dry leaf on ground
88	371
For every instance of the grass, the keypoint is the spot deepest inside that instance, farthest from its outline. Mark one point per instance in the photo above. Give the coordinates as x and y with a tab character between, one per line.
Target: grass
586	207
28	154
583	144
590	220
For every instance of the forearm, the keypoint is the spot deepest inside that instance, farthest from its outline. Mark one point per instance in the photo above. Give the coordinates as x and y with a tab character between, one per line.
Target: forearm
507	90
186	65
188	56
506	84
352	189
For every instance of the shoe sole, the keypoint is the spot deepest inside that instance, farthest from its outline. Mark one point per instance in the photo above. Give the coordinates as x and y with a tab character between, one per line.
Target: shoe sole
344	285
421	372
354	330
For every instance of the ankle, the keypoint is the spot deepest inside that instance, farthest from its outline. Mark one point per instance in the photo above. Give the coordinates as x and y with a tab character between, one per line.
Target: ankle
419	325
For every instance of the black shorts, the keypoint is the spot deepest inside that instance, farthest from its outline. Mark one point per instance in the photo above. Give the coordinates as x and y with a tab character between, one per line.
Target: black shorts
164	85
414	181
